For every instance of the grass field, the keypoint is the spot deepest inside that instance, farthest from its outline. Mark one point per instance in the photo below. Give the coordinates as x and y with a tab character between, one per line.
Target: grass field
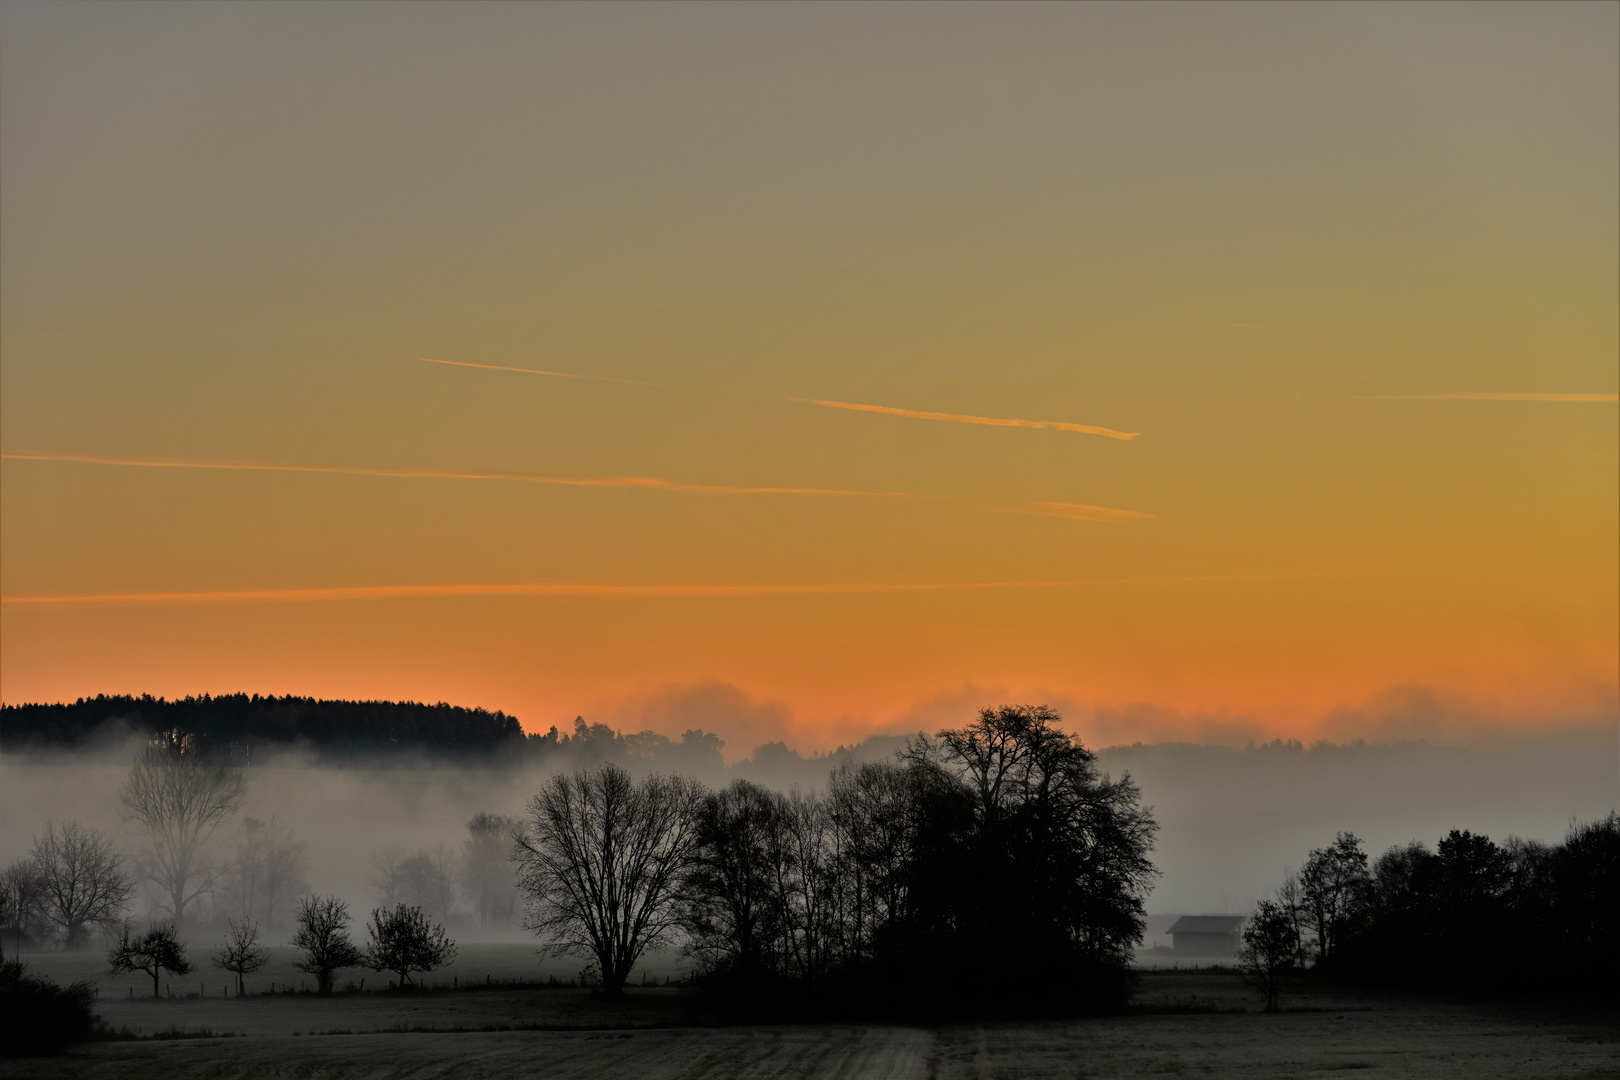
1191	1023
473	963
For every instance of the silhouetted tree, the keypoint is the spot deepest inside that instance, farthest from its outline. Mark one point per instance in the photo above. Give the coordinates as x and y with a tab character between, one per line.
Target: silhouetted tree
601	859
1583	894
180	794
323	934
241	954
22	905
487	878
1332	885
154	952
1271	951
733	908
1520	915
404	940
800	852
82	876
1061	852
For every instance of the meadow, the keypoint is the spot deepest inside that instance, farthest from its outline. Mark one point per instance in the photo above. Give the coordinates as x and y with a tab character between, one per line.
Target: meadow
1202	1022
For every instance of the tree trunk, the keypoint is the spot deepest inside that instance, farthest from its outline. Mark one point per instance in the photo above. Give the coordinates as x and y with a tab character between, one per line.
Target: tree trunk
155	972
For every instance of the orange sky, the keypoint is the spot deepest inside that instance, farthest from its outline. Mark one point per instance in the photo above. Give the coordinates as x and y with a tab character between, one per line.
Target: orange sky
1209	370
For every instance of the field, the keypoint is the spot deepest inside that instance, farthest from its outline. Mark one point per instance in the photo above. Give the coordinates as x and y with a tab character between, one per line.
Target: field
1198	1023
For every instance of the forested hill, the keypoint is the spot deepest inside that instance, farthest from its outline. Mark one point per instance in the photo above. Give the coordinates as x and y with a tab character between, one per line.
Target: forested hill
240	722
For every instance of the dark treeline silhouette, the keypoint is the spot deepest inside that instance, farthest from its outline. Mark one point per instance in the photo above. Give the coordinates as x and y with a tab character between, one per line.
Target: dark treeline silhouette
239	722
1522	915
1471	914
248	727
992	872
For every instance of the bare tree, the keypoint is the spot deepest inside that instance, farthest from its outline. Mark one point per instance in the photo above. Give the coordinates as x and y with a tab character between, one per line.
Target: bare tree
154	952
601	860
22	906
241	954
487	880
405	940
1331	885
1271	951
83	880
732	905
267	872
800	845
181	795
323	934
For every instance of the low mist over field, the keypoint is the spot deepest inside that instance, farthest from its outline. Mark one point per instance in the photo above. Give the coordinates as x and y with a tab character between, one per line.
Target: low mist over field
1231	818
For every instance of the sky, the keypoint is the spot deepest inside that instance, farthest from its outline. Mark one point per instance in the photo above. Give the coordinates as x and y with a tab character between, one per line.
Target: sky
806	371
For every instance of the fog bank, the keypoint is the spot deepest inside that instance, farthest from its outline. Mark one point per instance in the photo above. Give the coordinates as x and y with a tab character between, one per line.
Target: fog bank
1231	819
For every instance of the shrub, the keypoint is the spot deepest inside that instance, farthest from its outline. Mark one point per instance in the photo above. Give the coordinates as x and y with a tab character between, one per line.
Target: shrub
39	1017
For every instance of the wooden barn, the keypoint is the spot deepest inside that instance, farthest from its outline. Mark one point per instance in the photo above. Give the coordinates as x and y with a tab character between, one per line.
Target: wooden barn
1207	935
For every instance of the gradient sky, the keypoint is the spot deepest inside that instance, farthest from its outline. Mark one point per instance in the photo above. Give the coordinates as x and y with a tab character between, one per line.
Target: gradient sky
1347	273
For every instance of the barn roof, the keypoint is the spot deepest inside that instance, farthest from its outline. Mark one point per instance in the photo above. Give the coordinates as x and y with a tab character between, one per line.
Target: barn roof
1206	924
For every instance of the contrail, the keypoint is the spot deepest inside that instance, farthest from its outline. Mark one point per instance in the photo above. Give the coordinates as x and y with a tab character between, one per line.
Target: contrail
527	371
1070	511
886	410
959	418
1587	398
575	589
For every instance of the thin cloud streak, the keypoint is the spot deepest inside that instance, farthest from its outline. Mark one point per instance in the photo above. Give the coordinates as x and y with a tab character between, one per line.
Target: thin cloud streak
527	371
884	410
959	418
1568	398
587	590
1068	511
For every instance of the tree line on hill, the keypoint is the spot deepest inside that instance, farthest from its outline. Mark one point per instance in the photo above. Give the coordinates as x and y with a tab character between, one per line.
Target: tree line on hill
1470	914
251	729
237	723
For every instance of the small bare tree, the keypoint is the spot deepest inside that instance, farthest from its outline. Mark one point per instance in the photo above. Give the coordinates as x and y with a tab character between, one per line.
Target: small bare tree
404	940
83	880
1271	951
154	952
323	934
241	954
601	859
180	795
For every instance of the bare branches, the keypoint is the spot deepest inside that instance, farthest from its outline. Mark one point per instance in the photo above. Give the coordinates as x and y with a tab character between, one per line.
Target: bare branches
405	940
487	879
82	878
154	952
601	858
241	954
180	796
267	872
323	934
